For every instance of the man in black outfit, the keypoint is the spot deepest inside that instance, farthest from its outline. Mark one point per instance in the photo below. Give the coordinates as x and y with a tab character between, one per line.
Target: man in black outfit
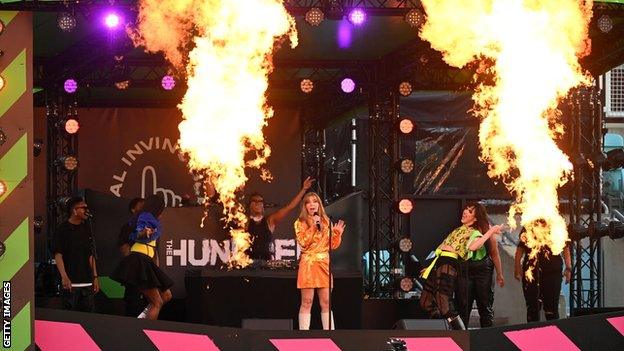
132	296
261	228
73	253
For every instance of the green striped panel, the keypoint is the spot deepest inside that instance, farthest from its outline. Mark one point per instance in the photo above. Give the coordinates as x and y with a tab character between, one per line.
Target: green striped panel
14	82
14	166
20	330
16	254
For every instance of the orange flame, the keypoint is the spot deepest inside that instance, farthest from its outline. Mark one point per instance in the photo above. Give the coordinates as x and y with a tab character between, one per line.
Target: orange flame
534	46
227	69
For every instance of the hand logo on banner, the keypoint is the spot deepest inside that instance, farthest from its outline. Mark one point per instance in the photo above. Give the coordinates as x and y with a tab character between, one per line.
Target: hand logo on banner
149	186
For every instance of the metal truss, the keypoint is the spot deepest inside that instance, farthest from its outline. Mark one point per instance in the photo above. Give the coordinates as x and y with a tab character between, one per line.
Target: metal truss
384	258
584	110
60	183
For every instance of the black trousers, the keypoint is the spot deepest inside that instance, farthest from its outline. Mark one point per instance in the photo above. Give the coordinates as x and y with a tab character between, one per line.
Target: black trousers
437	295
475	283
545	288
78	299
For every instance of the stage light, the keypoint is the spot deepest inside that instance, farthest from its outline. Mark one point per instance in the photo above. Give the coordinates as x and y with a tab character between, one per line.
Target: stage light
314	16
406	284
70	163
37	147
605	24
405	244
357	16
66	21
414	18
307	85
405	88
406	165
3	187
405	206
123	85
168	82
70	86
2	27
112	20
3	137
615	159
406	126
72	126
347	85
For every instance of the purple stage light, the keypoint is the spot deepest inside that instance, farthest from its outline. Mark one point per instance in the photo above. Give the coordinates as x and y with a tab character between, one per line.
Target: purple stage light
357	16
168	82
112	20
347	85
70	86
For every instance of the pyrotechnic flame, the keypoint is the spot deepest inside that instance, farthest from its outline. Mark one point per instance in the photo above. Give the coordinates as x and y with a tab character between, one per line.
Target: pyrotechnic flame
227	69
534	46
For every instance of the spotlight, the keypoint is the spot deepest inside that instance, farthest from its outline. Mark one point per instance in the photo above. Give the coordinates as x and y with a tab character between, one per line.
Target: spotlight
72	126
347	85
414	18
37	147
307	85
3	137
357	16
3	187
405	244
70	163
605	24
616	230
406	126
406	165
168	82
66	21
314	16
615	159
405	206
1	82
70	86
406	284
2	27
112	20
123	85
577	232
405	88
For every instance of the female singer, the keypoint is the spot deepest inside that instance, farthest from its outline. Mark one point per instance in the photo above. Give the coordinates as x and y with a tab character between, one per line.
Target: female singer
441	275
140	268
312	229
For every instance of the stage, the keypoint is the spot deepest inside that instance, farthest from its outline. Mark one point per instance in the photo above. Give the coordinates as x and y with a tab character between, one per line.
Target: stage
63	330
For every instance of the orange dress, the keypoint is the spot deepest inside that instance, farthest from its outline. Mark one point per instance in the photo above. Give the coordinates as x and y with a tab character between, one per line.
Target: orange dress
314	260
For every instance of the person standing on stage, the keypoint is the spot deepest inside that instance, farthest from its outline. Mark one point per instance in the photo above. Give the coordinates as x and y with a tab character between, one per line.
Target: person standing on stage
140	267
75	260
312	230
547	277
261	228
132	296
441	275
474	281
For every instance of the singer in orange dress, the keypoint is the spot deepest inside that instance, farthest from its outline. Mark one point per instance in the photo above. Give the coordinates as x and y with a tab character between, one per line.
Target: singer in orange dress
312	230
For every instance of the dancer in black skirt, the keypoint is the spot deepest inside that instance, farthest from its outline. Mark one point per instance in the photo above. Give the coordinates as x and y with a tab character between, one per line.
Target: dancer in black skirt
140	268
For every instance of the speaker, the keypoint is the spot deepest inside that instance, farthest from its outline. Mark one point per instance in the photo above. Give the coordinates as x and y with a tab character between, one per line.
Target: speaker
267	324
421	324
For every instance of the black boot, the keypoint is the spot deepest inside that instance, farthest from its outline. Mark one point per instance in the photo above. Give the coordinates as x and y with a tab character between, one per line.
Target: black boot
456	323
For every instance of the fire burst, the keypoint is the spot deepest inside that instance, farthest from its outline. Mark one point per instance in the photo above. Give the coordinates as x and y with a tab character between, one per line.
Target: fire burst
534	46
227	69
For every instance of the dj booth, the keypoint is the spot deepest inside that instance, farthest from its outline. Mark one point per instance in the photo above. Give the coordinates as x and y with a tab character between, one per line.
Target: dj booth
226	297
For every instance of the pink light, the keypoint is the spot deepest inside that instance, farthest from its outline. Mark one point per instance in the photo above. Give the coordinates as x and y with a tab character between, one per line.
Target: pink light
347	85
357	16
112	20
70	86
168	82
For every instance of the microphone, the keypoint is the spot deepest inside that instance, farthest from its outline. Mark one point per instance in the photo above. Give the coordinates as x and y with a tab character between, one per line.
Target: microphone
318	223
89	215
